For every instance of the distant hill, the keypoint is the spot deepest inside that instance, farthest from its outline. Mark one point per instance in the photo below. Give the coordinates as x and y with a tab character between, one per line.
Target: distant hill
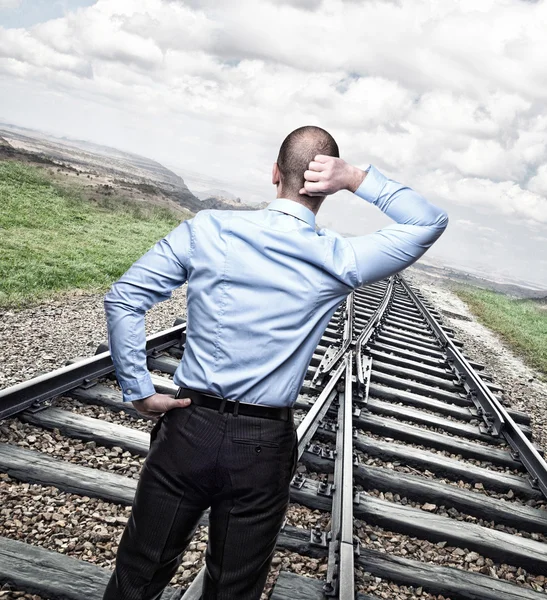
221	195
107	170
518	290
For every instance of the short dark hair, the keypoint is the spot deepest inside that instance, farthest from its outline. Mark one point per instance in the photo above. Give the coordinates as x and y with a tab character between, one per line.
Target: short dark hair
298	149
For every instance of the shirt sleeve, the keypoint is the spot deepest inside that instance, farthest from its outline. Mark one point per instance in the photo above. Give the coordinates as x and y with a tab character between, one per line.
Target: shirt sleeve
149	281
395	247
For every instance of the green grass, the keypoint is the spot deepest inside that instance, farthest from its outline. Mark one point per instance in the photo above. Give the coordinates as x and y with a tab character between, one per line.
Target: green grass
53	240
521	323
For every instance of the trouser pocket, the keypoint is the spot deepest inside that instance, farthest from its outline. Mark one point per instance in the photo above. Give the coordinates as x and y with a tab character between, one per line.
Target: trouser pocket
253	442
156	429
294	456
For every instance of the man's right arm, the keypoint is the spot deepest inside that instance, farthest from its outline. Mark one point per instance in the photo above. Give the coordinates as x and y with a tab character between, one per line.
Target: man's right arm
418	223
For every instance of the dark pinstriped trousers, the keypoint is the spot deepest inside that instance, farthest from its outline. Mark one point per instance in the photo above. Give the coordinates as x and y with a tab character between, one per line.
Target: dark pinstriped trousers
241	468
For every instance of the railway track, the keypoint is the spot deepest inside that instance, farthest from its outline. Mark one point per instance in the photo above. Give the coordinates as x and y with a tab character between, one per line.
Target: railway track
416	481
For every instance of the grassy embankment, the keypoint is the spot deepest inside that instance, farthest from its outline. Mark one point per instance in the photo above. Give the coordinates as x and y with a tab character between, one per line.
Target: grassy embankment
53	240
521	323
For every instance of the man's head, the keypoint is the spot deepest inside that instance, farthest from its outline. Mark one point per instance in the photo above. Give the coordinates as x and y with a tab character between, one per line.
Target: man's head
297	151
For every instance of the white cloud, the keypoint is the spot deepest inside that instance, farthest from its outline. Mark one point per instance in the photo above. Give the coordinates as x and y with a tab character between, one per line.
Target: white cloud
471	226
538	183
506	198
447	96
8	4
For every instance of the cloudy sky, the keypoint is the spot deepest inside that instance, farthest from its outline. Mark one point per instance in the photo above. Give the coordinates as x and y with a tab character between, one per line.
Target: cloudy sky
447	96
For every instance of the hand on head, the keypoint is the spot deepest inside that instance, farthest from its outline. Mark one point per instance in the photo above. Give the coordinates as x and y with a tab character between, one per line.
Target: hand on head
158	404
328	175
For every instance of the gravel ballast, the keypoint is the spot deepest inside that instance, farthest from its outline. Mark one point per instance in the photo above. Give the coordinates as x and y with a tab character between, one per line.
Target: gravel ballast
45	337
441	553
523	388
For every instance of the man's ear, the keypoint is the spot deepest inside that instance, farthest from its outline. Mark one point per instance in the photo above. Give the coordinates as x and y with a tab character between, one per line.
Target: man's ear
276	176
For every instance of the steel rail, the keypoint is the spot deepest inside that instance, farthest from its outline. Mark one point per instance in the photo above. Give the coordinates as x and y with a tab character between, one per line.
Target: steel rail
498	420
335	352
364	362
368	330
487	404
348	325
309	424
340	569
195	588
45	387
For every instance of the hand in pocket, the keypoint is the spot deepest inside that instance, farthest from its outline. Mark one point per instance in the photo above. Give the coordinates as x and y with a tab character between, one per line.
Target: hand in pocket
158	404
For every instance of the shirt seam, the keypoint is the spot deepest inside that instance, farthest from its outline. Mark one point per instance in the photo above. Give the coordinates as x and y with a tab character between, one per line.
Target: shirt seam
134	351
297	225
192	243
277	210
357	279
222	302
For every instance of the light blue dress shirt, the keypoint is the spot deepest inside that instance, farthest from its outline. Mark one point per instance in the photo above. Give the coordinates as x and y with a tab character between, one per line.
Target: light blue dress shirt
262	287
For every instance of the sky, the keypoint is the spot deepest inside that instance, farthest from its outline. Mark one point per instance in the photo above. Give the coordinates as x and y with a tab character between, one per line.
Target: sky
446	97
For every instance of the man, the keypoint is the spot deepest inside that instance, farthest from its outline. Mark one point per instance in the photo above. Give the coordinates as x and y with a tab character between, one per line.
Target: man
262	287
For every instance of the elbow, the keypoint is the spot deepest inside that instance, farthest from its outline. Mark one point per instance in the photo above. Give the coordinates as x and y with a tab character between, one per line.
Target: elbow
111	297
442	220
114	299
123	297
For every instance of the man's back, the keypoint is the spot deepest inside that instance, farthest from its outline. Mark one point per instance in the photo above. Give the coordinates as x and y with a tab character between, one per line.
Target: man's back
261	290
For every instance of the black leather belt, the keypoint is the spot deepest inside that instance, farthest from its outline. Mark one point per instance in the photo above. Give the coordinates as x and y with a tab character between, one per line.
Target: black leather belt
279	413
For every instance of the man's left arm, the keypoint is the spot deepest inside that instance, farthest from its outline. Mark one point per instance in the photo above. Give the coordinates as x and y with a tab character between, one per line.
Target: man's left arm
149	281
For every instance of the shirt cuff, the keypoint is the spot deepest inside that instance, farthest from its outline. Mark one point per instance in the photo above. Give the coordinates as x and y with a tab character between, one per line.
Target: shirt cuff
137	389
372	185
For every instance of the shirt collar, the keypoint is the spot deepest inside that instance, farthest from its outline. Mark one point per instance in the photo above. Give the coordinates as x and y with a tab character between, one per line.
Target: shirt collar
295	209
